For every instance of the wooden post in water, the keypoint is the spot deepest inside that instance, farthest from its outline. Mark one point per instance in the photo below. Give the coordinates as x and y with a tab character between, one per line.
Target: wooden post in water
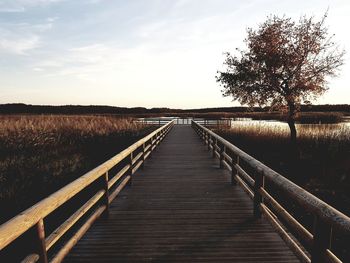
322	241
41	245
257	195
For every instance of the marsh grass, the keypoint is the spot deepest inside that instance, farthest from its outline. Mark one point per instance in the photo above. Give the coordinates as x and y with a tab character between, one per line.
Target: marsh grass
40	154
323	166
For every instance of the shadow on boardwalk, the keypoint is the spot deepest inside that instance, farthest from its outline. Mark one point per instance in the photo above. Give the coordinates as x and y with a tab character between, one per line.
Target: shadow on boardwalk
181	208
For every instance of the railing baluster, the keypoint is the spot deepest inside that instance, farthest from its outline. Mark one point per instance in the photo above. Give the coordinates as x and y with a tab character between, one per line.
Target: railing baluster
151	151
257	195
41	245
131	156
214	147
106	195
234	172
143	155
222	157
209	141
322	240
320	249
33	217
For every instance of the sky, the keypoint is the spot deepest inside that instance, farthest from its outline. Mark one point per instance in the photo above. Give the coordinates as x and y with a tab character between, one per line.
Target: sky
144	53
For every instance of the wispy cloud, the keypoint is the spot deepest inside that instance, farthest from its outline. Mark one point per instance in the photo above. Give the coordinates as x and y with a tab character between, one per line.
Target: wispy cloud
19	38
130	49
21	5
19	46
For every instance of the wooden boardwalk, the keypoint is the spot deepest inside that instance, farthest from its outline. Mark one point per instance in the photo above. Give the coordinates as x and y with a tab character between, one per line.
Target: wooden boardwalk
181	208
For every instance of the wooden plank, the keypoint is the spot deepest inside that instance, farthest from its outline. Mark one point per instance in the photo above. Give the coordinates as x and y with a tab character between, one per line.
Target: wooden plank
311	203
181	208
15	227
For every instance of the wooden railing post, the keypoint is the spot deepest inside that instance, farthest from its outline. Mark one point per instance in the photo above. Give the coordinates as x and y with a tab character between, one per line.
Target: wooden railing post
41	245
106	195
151	143
214	147
131	156
143	155
234	172
322	241
161	136
257	195
222	157
209	139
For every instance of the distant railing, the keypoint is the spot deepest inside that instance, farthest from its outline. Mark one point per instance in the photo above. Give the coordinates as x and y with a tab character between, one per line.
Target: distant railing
309	247
185	121
110	186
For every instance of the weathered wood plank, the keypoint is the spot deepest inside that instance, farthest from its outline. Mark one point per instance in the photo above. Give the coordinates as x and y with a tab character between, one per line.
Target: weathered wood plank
181	208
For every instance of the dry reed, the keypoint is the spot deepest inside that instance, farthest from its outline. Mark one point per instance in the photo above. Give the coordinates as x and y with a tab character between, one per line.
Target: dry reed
39	154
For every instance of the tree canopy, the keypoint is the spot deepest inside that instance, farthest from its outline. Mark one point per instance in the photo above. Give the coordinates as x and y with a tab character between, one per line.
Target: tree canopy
286	63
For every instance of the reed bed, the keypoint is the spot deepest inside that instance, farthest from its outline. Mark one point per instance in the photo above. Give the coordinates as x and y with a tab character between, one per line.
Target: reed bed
280	131
40	154
323	163
19	132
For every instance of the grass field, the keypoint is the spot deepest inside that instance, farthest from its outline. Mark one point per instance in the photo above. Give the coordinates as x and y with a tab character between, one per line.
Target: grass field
323	166
40	154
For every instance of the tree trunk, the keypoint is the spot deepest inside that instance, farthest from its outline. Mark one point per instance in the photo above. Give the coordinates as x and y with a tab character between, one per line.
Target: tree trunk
291	123
294	157
293	131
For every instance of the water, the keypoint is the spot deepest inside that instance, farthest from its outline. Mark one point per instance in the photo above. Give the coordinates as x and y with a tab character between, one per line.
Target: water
336	131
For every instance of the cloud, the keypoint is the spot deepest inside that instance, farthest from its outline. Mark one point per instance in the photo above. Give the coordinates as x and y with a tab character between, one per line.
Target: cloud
11	6
19	38
19	46
81	61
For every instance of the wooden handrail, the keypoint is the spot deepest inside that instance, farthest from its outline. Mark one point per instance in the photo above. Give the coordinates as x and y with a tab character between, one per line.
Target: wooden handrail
35	215
326	217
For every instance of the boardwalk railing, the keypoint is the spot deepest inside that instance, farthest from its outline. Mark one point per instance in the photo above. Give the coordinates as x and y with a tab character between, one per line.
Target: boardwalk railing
110	186
253	176
186	121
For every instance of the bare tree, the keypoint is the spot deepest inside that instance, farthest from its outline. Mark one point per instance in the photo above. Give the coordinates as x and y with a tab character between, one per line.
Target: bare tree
286	63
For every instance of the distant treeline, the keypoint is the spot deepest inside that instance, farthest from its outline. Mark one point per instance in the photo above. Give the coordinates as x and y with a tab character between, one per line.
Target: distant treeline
15	108
20	108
